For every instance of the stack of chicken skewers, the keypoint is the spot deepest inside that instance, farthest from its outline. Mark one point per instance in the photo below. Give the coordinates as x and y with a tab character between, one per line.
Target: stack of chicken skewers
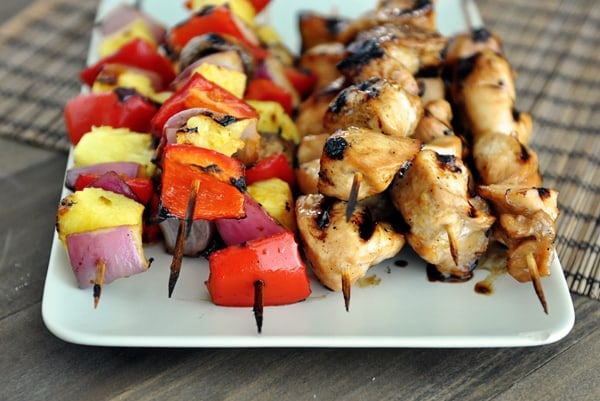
380	163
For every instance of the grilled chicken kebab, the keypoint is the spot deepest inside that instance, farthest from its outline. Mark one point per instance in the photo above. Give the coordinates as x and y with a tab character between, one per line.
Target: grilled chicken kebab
483	92
378	133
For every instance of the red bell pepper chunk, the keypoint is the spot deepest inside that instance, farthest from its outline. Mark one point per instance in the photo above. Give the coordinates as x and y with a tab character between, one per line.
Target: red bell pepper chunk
274	166
274	259
121	108
220	177
200	92
259	5
216	19
265	89
142	187
302	80
137	53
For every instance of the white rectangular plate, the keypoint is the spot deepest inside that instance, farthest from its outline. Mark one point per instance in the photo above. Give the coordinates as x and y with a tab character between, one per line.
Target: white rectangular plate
403	309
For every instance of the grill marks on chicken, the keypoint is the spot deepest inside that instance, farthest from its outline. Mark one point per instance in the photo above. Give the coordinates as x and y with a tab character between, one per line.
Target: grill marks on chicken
339	251
374	156
377	104
447	227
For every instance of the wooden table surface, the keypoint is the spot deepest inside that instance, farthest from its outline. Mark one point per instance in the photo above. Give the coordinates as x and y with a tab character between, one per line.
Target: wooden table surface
34	364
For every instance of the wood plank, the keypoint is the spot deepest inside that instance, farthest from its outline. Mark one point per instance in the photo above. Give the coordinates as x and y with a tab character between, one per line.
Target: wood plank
29	198
52	369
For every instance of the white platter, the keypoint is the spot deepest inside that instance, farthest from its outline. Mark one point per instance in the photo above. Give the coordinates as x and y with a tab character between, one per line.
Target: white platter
403	309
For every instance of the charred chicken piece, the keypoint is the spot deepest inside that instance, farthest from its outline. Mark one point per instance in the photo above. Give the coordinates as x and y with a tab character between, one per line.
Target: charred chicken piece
428	44
484	92
526	225
324	232
467	44
431	88
373	156
436	121
448	228
502	159
322	60
377	104
418	14
386	60
312	110
316	29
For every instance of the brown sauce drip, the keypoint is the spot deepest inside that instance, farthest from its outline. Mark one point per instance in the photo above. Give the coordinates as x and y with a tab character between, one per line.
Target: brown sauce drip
433	275
400	263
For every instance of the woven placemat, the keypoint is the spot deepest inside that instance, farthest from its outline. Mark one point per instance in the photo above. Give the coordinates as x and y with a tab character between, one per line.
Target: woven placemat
552	45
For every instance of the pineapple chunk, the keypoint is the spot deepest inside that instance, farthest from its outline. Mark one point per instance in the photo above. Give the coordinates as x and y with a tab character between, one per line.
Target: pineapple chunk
133	30
204	132
107	144
242	8
273	119
232	81
133	80
267	34
94	208
275	196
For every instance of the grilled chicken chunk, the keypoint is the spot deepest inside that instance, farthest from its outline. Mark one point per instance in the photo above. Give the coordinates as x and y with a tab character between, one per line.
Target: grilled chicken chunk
339	250
484	91
322	60
447	227
316	29
526	225
386	60
502	159
467	44
312	110
377	104
431	88
375	157
427	44
418	14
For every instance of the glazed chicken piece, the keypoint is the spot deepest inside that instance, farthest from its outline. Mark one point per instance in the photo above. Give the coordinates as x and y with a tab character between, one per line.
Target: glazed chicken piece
378	104
435	130
316	29
309	162
386	60
502	159
371	156
448	228
418	14
427	44
467	44
322	60
484	91
526	225
312	110
325	232
431	88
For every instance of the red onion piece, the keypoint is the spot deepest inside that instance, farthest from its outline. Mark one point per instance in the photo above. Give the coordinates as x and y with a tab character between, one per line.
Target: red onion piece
113	182
120	248
126	169
256	224
197	241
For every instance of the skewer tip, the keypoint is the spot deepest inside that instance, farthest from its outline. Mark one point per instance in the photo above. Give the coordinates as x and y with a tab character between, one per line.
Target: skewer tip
536	280
346	286
98	282
258	304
